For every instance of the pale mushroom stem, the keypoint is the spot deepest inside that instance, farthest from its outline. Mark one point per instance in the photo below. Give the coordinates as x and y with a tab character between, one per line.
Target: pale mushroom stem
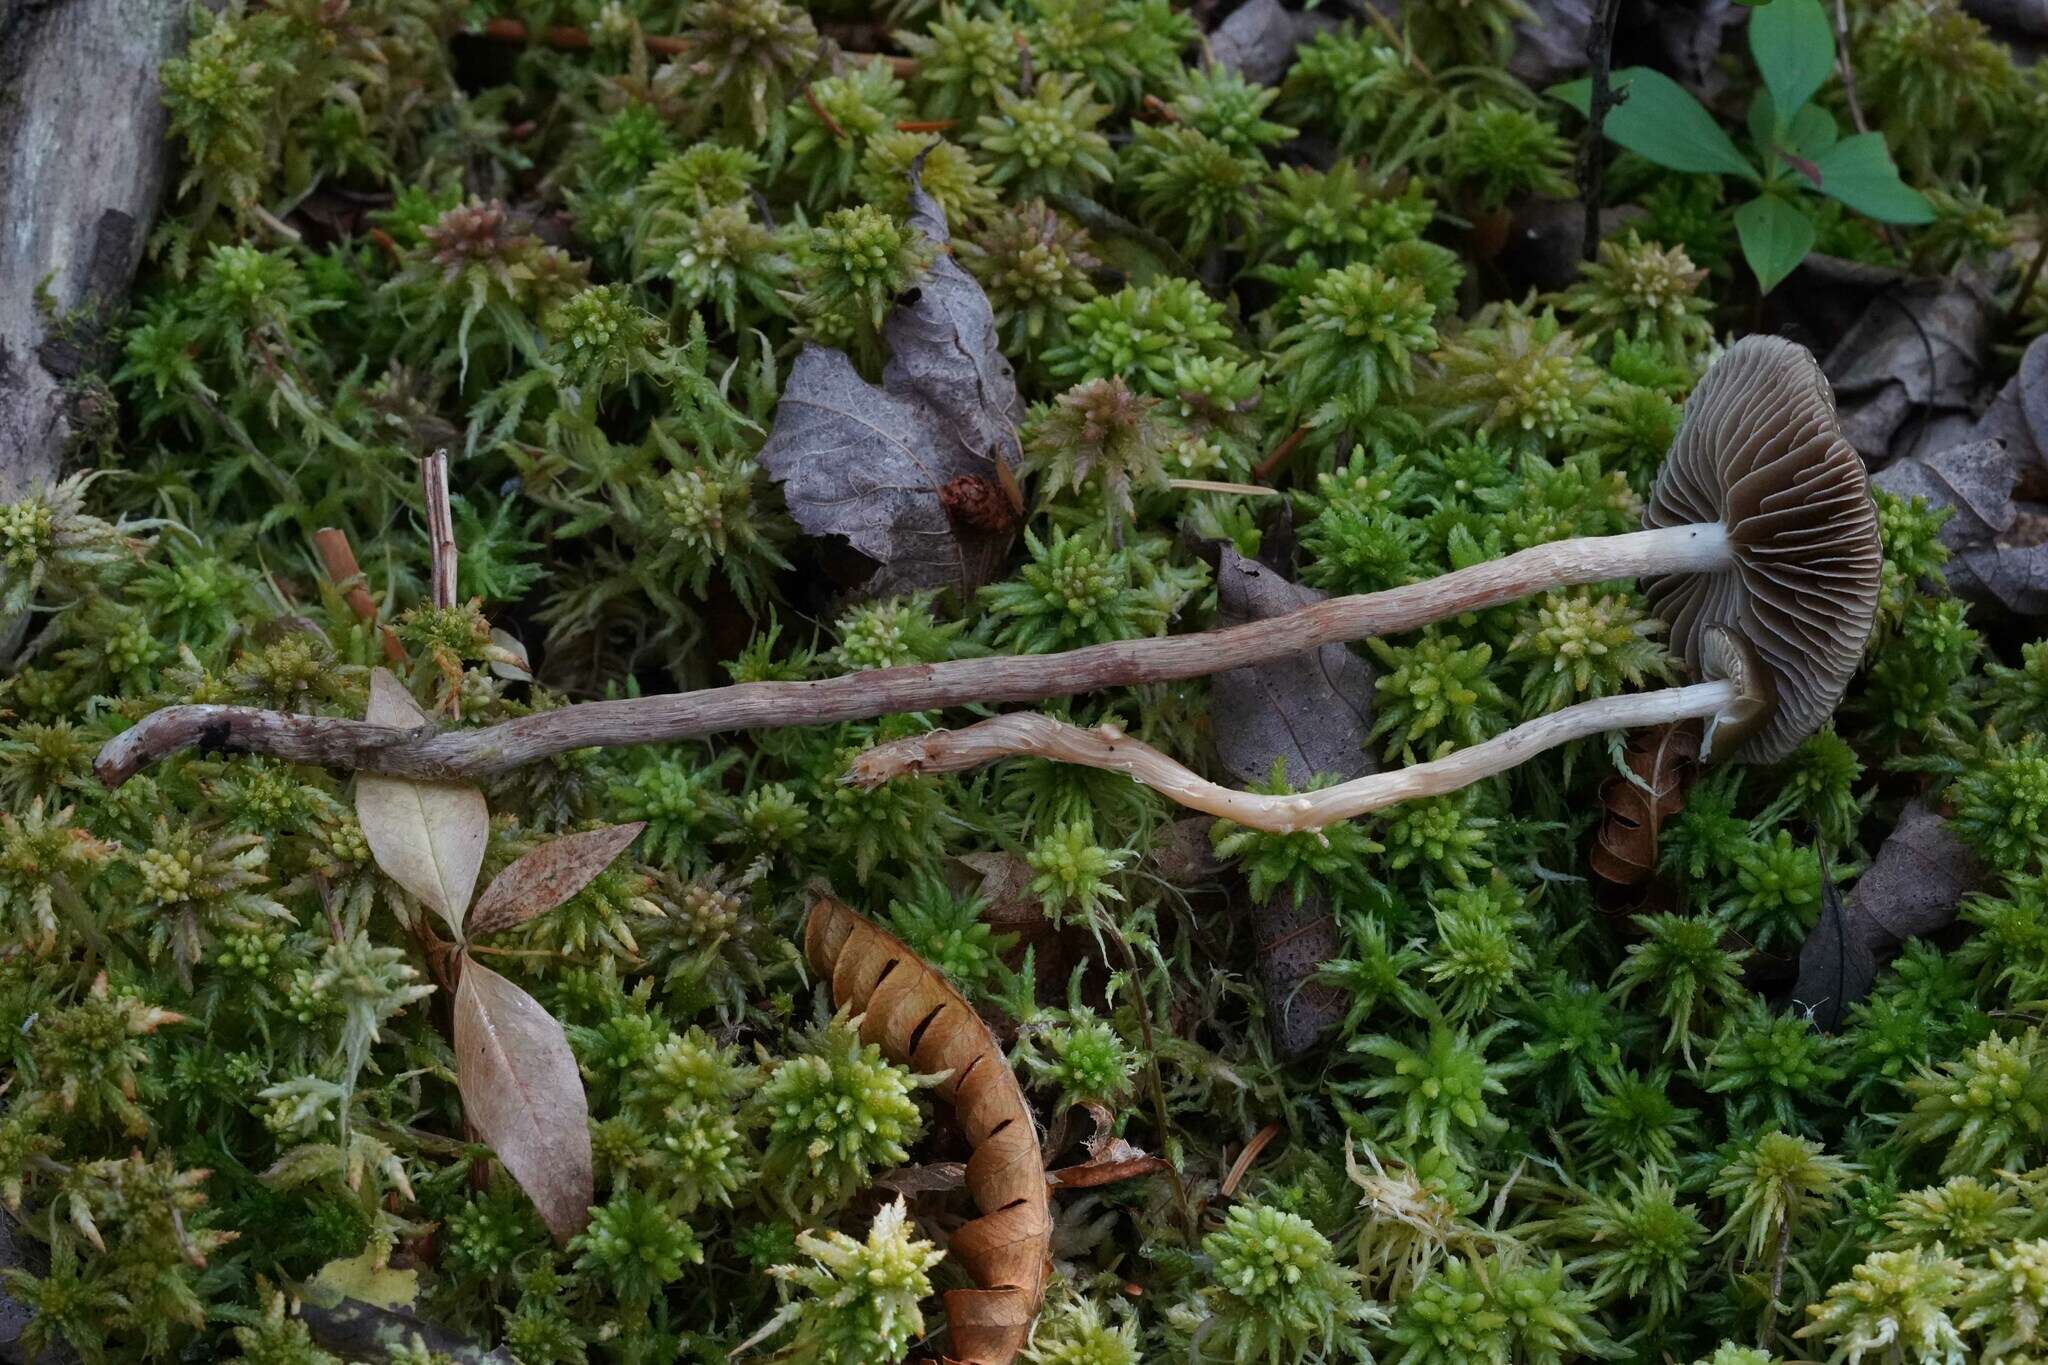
1039	736
460	755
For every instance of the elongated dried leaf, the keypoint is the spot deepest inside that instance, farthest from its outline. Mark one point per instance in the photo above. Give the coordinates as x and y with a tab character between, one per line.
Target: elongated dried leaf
917	1019
1664	761
1123	1160
549	875
428	837
522	1094
870	464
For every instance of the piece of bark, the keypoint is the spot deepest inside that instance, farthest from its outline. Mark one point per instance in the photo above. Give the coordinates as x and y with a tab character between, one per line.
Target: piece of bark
81	170
1913	886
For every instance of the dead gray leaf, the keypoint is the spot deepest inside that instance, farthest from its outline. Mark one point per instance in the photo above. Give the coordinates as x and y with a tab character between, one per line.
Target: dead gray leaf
1687	36
1314	710
1912	888
1296	938
1915	357
1550	45
523	1095
945	355
428	837
1998	545
2019	415
1258	40
868	463
549	875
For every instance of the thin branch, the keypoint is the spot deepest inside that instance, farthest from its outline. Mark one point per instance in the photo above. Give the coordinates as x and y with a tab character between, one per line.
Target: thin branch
440	526
460	755
1027	733
1599	103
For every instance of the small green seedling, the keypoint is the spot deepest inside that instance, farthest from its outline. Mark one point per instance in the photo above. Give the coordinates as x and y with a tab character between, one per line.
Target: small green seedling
1797	148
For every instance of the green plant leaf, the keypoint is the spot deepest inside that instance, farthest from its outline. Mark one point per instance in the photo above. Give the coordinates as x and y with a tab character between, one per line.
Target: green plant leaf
1858	171
1775	237
1794	47
1660	120
1813	131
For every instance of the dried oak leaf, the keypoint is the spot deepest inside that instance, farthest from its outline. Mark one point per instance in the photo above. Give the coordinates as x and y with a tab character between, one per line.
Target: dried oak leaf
872	464
917	1019
522	1093
1632	813
1913	886
1997	540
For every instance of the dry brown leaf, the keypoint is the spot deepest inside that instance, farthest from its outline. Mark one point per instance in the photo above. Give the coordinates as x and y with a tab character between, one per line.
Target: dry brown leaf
1664	759
1119	1159
937	1178
428	837
549	875
522	1094
919	1020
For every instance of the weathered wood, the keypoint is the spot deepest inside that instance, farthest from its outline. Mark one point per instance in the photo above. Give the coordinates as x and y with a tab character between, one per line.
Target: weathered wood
81	172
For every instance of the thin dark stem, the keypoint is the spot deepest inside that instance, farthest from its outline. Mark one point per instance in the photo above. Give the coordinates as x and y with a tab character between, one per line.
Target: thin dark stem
1847	67
1603	98
1156	1084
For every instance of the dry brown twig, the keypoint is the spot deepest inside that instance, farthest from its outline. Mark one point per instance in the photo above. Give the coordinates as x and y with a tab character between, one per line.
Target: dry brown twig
440	527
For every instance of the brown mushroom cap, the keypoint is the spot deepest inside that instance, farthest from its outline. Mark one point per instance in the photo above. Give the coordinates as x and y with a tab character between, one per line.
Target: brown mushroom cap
1760	451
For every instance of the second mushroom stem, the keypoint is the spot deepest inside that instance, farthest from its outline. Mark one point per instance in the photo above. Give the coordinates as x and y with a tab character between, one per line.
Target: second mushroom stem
1030	734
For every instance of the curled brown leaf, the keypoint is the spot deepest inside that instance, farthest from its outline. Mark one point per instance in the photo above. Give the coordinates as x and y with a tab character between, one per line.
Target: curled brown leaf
917	1019
1633	813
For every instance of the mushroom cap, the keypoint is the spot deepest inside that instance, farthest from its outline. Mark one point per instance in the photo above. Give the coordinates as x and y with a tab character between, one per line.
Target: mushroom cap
1760	451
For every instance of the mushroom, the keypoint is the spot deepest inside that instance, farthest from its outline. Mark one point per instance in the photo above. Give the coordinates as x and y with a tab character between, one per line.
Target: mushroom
1763	529
1760	522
